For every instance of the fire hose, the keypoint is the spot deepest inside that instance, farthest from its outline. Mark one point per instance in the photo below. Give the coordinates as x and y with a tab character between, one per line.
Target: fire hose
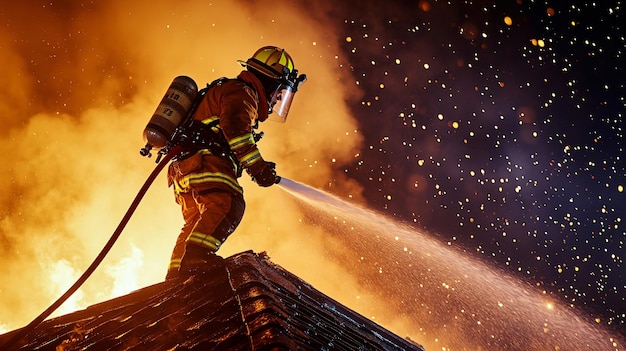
20	334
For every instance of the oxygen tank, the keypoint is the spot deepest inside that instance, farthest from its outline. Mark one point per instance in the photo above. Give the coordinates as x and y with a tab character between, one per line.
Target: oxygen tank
173	108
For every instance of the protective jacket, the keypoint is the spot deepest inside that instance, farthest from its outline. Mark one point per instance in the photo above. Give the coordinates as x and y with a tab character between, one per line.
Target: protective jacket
206	180
236	105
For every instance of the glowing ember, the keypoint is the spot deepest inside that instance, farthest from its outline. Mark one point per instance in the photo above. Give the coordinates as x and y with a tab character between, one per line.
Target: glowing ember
499	128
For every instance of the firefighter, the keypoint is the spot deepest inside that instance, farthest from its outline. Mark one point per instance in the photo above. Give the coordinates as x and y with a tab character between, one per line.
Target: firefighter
204	176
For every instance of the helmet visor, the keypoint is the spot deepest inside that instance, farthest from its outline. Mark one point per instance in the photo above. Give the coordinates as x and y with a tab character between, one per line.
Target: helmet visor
281	102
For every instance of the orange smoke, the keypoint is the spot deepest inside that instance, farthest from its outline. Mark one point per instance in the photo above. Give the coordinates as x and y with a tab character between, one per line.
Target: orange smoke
78	89
80	82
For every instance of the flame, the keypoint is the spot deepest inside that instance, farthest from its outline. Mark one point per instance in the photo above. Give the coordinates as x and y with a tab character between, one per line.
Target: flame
61	276
75	99
126	272
78	89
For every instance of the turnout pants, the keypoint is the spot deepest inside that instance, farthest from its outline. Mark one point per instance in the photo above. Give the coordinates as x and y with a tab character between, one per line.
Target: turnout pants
211	207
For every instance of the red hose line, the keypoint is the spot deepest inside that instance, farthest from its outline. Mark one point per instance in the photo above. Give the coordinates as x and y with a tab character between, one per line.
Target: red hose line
20	334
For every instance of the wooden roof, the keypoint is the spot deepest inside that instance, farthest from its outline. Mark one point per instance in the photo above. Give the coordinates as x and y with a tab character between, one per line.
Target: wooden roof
248	303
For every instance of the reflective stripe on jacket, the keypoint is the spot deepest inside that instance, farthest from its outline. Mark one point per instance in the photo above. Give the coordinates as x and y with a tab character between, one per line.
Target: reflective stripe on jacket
237	105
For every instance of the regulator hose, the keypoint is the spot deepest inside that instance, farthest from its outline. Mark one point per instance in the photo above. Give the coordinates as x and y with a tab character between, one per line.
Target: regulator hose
20	334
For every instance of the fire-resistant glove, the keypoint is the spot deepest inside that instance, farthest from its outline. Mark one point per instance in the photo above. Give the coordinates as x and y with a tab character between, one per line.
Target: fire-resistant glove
264	173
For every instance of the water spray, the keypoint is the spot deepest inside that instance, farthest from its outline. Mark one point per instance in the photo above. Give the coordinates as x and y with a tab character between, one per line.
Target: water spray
402	261
308	193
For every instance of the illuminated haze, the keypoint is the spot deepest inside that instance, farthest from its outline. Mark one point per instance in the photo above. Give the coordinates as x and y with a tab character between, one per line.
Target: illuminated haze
81	82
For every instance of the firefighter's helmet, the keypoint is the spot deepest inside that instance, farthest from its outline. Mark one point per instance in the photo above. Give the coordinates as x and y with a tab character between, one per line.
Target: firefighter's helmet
275	65
272	61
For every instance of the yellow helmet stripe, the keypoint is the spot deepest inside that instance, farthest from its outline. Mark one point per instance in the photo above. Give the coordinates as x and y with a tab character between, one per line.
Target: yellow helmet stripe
274	57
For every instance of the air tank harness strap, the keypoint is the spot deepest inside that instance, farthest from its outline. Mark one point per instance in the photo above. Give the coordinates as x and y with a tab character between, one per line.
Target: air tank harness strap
207	134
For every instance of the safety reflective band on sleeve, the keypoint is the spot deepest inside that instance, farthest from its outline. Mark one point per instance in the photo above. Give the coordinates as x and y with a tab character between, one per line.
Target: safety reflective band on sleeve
204	240
239	142
207	177
248	159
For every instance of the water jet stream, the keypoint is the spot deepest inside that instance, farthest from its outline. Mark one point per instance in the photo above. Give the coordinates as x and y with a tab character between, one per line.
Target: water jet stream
454	301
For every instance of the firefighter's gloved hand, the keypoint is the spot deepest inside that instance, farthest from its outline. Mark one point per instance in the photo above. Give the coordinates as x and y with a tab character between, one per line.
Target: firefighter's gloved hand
264	173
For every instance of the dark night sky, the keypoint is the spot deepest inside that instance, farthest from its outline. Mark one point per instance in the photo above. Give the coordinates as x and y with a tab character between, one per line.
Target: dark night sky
494	126
504	139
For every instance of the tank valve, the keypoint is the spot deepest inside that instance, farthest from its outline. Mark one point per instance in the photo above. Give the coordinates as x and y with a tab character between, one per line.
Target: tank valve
145	151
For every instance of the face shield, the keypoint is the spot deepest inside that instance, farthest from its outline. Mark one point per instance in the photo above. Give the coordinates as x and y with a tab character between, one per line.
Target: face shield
282	97
280	103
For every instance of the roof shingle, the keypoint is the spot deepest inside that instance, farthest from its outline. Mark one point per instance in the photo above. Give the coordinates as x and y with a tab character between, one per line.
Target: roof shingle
246	303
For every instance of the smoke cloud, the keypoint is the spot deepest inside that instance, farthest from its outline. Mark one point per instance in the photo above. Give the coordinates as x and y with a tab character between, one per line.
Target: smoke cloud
81	82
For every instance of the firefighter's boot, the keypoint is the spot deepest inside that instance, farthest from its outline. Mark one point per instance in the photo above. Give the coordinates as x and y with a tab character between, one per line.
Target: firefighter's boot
197	260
